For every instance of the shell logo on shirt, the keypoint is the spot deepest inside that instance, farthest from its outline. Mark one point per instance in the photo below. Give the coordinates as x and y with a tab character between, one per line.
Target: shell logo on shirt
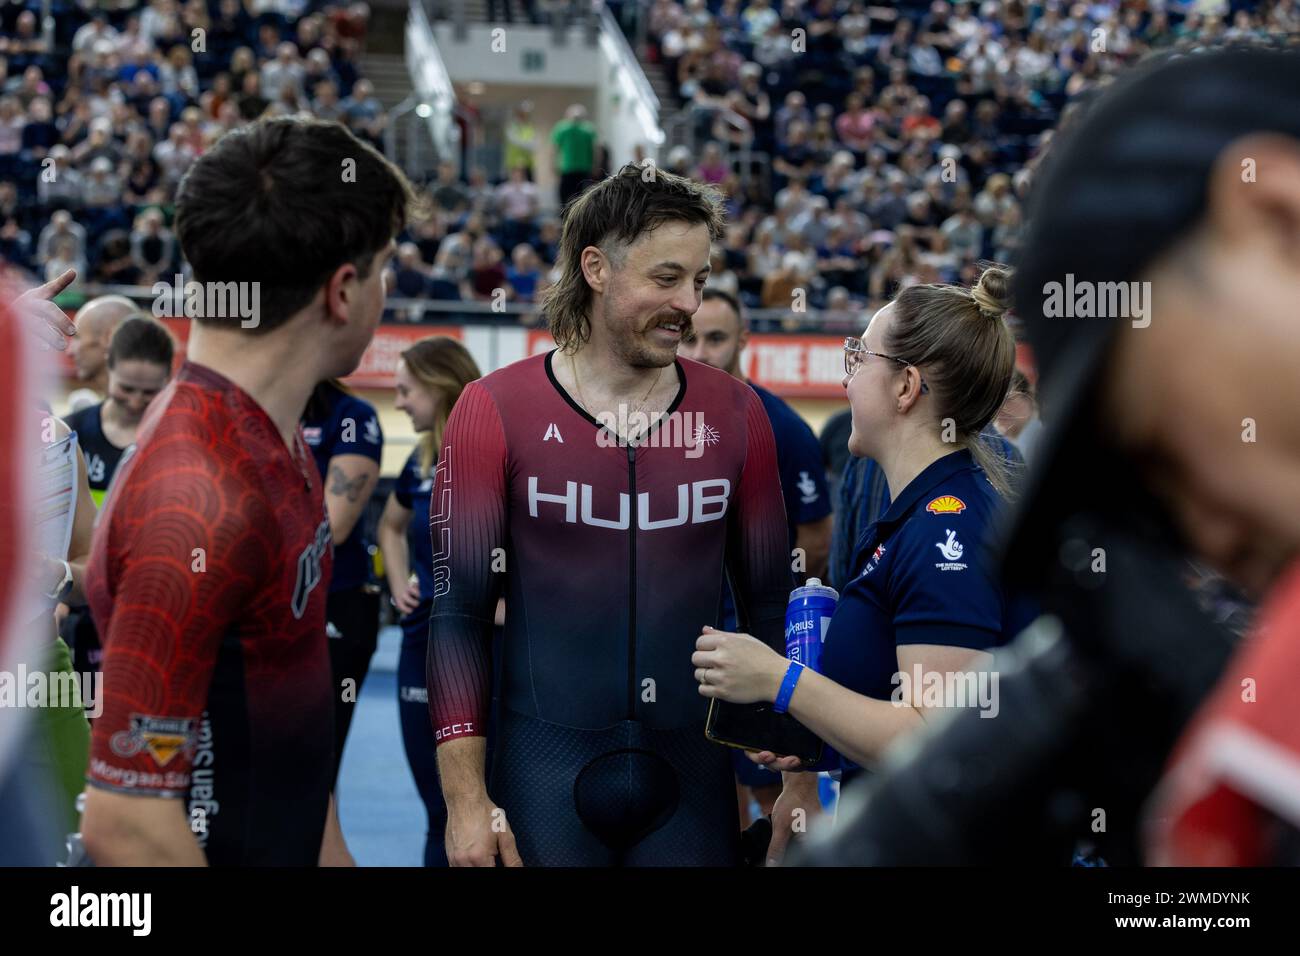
946	505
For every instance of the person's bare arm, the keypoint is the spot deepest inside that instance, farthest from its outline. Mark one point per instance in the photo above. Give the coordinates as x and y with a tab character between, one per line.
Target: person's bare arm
83	527
348	484
121	829
333	848
397	555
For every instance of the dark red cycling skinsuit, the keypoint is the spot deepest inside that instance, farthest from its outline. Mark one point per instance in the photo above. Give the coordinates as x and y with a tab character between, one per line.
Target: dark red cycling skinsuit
613	560
207	580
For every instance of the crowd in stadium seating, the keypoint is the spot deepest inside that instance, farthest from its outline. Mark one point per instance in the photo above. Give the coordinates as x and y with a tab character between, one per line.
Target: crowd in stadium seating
100	119
860	148
900	138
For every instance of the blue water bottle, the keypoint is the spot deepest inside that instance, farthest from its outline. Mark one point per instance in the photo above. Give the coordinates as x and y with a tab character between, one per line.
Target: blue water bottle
807	617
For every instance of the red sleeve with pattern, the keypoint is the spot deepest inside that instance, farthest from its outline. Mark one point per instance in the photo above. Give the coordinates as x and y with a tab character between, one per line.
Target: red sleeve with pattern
177	556
467	518
757	535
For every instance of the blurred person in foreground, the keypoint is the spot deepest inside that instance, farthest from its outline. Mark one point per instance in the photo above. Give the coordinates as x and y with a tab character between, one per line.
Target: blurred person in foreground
1172	433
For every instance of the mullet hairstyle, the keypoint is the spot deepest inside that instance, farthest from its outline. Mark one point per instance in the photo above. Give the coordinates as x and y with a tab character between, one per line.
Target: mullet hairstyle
611	215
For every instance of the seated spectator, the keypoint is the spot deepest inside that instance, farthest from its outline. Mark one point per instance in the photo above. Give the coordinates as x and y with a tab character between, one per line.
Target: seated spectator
837	260
61	229
286	70
31	86
482	195
63	256
153	247
15	242
517	201
524	273
764	256
326	104
12	121
318	70
713	167
59	185
192	123
410	276
487	274
143	185
447	191
101	190
174	154
548	241
252	102
177	76
796	158
964	234
751	102
841	313
115	265
721	276
242	62
779	285
855	125
364	113
451	269
793	110
161	24
98	28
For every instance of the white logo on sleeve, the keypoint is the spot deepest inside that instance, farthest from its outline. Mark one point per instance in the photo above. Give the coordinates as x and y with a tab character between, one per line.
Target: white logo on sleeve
952	550
807	488
95	468
553	430
372	431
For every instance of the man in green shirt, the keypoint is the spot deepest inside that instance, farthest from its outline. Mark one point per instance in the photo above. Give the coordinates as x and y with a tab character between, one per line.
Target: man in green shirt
574	140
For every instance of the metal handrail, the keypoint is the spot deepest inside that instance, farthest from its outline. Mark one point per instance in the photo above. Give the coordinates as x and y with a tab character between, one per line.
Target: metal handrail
611	28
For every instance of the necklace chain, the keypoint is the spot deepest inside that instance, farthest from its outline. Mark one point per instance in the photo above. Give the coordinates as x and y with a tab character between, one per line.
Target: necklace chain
583	402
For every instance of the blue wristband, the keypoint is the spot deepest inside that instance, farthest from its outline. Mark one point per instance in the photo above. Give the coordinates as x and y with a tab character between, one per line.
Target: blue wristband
787	687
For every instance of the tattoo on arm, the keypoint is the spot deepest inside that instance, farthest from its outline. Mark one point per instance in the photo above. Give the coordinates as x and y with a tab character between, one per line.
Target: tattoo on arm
341	484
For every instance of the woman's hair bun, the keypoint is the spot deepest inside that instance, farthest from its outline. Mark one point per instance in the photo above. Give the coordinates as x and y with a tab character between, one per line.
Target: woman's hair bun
992	293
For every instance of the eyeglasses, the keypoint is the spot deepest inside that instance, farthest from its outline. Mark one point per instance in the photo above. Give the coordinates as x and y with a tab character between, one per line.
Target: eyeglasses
855	353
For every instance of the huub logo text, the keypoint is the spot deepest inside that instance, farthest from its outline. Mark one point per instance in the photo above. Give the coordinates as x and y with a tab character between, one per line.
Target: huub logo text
697	502
209	300
1098	300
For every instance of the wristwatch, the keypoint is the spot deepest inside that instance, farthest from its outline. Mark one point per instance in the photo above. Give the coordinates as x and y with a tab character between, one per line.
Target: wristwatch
64	587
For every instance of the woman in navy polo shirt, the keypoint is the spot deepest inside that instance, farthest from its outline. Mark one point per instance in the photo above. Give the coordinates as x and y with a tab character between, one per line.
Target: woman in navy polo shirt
923	599
430	377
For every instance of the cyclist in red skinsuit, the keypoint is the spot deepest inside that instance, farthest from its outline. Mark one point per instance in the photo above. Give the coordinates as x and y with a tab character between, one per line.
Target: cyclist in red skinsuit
211	562
614	555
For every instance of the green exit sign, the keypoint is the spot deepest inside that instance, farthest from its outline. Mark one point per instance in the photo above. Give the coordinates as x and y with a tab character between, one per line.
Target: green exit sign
534	61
